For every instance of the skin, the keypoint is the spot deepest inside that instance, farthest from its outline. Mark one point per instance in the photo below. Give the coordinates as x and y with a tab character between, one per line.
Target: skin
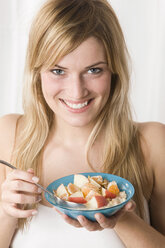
74	80
76	84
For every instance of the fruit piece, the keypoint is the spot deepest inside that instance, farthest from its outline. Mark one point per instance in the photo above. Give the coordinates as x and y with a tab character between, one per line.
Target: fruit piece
105	183
98	179
94	182
97	201
88	187
62	192
77	197
91	194
113	188
107	194
72	188
80	180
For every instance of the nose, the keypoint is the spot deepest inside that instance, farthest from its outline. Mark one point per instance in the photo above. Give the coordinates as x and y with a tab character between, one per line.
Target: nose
77	87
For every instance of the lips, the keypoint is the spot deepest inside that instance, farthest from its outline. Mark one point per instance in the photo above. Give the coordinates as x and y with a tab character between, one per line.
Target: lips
76	106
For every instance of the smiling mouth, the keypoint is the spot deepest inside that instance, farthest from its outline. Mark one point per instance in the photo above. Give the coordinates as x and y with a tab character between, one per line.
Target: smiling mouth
76	106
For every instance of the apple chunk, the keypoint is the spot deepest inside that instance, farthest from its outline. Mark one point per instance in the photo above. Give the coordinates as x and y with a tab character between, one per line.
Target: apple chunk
77	197
97	201
91	194
98	179
107	194
72	188
88	187
62	192
94	182
80	180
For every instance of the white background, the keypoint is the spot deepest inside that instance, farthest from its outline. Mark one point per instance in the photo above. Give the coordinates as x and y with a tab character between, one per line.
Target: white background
143	23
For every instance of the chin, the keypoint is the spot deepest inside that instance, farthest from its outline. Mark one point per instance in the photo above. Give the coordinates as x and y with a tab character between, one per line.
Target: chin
79	123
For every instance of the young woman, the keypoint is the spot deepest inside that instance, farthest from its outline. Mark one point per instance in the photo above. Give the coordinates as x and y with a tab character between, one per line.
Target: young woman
77	119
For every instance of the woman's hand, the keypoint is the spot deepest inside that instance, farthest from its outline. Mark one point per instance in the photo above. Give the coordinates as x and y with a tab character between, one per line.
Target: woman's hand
18	189
101	222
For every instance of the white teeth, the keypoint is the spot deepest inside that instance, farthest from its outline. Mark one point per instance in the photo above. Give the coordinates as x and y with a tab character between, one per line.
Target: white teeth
77	106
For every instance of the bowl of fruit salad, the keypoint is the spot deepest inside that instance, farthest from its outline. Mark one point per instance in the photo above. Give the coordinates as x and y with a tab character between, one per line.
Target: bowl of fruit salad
98	192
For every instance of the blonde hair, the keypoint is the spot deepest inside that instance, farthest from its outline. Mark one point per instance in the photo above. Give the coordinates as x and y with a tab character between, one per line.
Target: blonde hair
59	27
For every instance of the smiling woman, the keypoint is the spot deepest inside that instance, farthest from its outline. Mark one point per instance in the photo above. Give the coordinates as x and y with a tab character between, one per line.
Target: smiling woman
77	119
78	91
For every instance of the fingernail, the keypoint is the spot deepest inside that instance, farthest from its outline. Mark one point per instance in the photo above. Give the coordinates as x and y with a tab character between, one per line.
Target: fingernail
34	212
35	179
39	199
98	217
78	218
39	190
81	218
129	205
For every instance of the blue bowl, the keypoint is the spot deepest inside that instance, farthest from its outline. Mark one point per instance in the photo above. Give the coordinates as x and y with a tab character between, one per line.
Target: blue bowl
122	183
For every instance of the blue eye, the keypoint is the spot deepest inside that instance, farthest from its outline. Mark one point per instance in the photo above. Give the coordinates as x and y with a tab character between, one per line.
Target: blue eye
94	70
57	71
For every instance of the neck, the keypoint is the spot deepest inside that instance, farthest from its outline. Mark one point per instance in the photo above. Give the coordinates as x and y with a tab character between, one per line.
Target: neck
71	135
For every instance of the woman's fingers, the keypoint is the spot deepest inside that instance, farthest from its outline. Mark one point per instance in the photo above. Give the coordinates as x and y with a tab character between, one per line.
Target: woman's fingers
15	212
130	206
89	225
22	186
23	181
71	221
110	222
67	219
20	198
18	189
101	222
80	222
22	175
105	222
30	170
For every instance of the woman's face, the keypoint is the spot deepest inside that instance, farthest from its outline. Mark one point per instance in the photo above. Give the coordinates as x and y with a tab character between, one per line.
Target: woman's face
78	87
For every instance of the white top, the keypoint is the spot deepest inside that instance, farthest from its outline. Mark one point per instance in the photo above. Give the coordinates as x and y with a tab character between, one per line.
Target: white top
48	230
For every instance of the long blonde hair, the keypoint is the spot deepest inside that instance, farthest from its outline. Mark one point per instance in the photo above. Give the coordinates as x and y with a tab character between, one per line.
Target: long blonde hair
59	27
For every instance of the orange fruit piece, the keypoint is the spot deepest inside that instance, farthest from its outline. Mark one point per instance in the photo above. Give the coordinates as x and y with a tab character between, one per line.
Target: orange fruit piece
114	189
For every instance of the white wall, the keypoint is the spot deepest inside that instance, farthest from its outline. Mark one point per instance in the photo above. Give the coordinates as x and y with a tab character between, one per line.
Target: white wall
143	23
15	20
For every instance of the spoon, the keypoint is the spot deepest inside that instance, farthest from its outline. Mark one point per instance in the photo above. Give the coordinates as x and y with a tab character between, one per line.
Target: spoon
62	203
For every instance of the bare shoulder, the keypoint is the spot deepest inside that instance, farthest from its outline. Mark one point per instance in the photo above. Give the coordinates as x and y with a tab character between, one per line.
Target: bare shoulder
7	120
7	137
153	135
152	128
153	145
7	134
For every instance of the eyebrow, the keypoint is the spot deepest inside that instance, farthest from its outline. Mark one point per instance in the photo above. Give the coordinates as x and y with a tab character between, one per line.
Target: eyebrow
98	63
61	67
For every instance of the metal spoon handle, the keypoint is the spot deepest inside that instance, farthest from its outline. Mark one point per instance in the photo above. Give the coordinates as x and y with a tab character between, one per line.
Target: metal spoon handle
6	163
50	193
13	167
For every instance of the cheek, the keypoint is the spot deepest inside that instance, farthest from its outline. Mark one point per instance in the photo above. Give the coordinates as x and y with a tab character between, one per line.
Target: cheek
49	87
103	87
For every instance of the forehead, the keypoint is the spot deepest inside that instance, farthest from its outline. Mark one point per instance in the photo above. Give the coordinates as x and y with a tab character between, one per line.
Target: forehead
87	53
